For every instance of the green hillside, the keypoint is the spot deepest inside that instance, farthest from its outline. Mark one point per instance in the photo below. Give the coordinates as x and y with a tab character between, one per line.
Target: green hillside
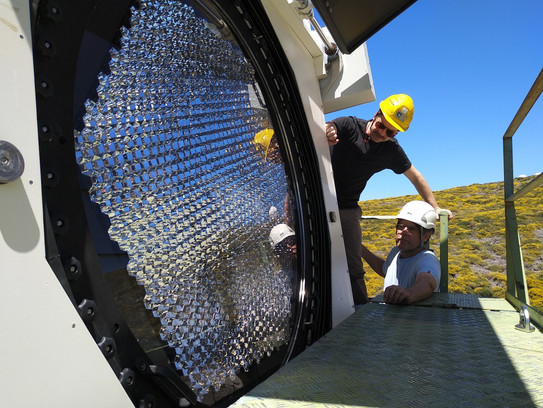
476	238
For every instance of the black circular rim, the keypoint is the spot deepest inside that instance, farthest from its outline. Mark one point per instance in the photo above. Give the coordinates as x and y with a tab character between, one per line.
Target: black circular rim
61	90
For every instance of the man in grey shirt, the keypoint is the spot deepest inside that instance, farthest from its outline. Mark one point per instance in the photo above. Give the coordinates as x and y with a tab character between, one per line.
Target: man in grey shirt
411	270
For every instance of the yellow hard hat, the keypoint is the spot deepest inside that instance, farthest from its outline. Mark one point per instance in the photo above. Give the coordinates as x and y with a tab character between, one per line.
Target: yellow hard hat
262	141
398	111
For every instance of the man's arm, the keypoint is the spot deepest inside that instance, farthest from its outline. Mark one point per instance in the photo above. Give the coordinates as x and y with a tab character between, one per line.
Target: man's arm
420	183
421	289
373	261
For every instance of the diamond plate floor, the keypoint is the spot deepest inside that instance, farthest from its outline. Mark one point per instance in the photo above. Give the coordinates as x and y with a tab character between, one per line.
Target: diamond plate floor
452	351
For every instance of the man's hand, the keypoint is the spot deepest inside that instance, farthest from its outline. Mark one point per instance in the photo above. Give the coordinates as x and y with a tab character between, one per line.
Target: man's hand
421	289
331	133
442	210
396	295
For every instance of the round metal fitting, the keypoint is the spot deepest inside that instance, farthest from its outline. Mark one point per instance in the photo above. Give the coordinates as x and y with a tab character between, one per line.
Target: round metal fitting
12	163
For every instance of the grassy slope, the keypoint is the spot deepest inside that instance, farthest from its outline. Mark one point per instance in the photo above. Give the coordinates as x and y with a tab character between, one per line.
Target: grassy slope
476	238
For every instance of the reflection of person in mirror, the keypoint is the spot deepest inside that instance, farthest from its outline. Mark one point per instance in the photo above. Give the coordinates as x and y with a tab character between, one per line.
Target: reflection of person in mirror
283	242
411	270
266	144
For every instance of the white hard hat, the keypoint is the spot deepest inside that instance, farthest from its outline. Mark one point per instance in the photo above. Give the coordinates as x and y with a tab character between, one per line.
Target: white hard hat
419	212
279	233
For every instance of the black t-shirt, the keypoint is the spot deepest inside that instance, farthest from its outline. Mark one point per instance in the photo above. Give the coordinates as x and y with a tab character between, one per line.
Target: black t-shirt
354	160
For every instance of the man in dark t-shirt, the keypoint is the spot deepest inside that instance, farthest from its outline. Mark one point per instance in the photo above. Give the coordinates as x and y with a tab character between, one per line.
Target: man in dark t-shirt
362	148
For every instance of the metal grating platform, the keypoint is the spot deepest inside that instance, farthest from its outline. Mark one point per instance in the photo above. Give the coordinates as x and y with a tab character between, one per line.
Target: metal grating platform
414	356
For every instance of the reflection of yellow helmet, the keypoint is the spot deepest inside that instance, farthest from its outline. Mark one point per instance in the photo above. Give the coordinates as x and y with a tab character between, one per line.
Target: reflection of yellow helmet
398	111
262	141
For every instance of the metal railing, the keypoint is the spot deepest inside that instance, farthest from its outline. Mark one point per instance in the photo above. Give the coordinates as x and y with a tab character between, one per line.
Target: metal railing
517	288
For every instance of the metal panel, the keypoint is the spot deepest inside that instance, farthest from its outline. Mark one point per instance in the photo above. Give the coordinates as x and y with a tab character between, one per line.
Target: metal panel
48	357
301	63
352	22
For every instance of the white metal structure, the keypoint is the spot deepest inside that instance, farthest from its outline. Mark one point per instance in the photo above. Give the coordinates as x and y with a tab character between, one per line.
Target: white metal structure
48	357
341	90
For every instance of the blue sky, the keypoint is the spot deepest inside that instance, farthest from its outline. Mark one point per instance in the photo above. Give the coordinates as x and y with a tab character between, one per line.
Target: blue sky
468	66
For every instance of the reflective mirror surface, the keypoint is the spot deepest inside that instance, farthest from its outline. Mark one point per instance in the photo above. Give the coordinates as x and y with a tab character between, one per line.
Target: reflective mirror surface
183	159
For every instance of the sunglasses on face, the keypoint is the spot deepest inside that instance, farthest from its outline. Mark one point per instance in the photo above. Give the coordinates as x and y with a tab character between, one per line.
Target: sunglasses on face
389	132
